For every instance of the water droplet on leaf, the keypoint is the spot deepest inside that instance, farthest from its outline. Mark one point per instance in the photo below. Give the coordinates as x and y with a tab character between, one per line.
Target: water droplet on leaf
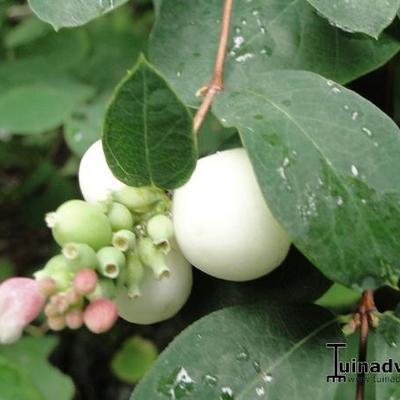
210	380
267	377
176	386
260	391
226	393
257	366
243	355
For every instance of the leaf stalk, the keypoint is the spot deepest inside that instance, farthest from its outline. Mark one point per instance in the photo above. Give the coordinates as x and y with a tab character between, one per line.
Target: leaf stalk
217	82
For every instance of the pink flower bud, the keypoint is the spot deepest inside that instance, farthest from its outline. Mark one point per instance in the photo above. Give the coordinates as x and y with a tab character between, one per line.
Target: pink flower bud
51	310
72	297
56	323
20	303
47	286
59	301
100	315
74	319
85	281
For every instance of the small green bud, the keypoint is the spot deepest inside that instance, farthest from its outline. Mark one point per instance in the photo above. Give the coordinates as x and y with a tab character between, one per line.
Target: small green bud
133	275
124	240
153	258
105	288
138	200
80	256
80	222
120	217
111	261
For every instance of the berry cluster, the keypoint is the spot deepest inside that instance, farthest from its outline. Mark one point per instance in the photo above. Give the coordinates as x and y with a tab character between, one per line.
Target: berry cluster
104	246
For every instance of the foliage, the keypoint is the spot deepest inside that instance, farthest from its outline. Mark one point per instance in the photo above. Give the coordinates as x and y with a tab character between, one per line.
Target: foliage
134	359
28	359
324	155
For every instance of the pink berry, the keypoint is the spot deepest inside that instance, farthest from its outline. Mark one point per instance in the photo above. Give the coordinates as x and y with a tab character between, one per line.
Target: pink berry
85	281
100	315
21	301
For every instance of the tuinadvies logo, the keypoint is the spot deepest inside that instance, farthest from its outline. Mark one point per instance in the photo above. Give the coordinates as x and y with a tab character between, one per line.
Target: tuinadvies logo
341	369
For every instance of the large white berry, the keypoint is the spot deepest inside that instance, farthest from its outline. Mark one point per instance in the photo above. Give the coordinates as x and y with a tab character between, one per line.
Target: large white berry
95	177
160	299
222	222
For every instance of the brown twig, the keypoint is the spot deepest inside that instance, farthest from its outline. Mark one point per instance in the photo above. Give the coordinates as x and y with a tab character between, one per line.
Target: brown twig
365	317
217	82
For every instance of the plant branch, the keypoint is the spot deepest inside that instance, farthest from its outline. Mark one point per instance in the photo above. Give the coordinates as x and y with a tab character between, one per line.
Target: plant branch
365	317
217	82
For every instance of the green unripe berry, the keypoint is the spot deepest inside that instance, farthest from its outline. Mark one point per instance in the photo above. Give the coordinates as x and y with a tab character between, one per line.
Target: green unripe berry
58	268
80	256
153	258
105	289
124	240
111	261
138	200
160	228
132	275
120	217
80	222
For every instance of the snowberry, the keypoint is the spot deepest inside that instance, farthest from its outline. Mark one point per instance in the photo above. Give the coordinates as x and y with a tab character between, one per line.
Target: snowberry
74	319
222	222
160	228
21	301
85	281
159	299
111	261
100	315
120	217
80	222
95	177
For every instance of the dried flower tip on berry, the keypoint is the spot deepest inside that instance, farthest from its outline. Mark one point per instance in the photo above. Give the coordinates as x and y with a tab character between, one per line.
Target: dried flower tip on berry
124	240
111	261
80	256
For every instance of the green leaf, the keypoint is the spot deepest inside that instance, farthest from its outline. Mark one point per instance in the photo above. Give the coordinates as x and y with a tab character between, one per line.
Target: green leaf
134	359
339	299
366	16
286	284
382	346
31	109
387	346
247	352
114	48
62	50
347	390
213	136
84	127
27	31
148	137
266	35
325	160
62	13
30	356
14	384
